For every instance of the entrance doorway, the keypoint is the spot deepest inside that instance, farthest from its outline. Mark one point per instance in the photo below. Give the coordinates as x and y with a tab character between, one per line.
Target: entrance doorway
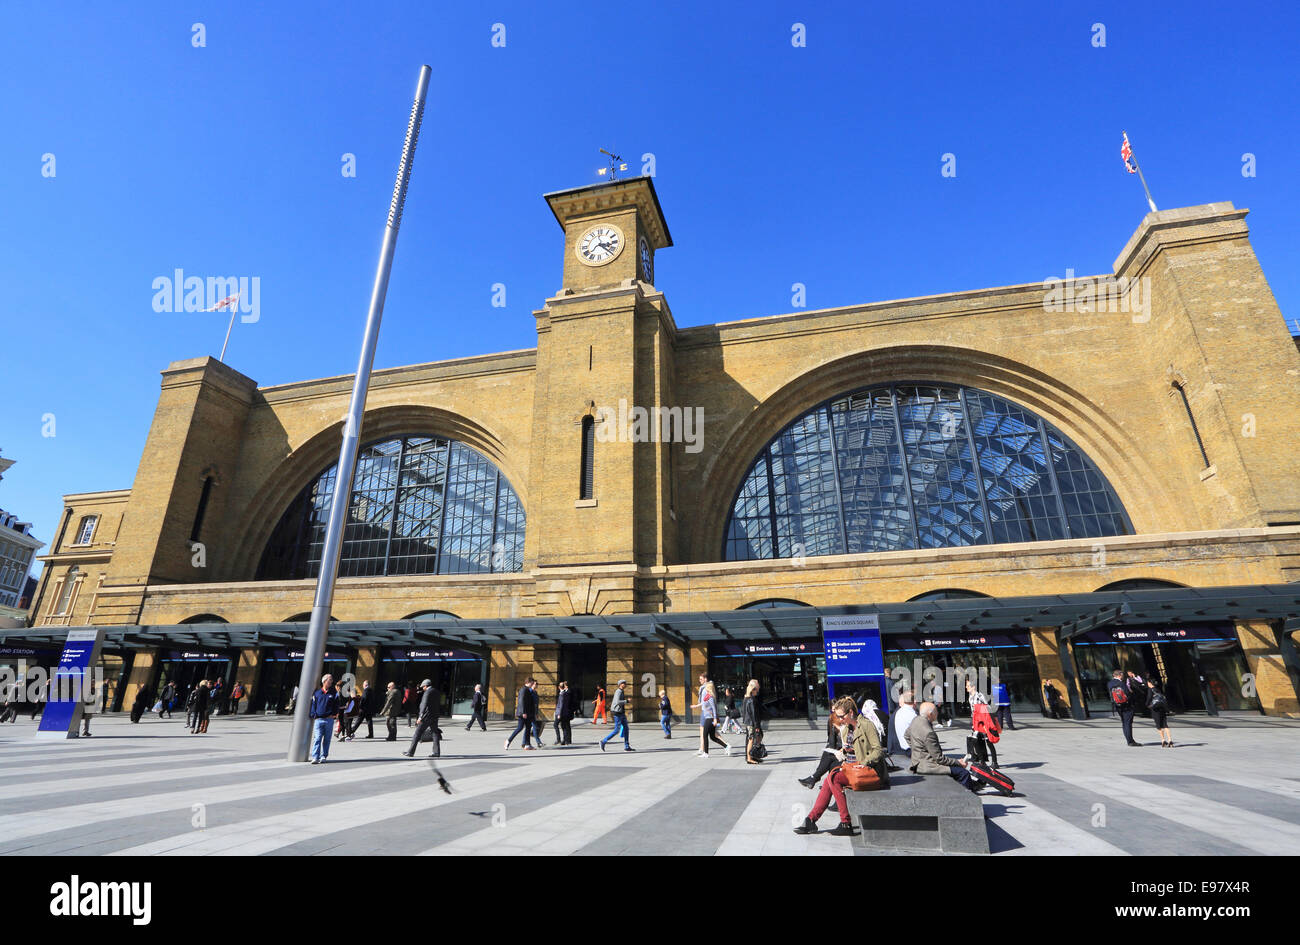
583	667
454	673
274	695
1196	664
186	669
791	676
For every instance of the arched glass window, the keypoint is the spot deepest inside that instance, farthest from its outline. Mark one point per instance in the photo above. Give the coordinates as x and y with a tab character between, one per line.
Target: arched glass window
420	505
905	466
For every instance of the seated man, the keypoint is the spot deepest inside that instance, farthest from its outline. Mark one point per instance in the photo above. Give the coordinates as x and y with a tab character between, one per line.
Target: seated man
928	756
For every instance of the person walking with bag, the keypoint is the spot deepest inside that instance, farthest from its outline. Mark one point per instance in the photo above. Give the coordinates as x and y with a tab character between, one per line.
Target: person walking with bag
477	709
618	710
665	713
750	712
1122	703
1159	704
708	706
427	722
391	710
730	713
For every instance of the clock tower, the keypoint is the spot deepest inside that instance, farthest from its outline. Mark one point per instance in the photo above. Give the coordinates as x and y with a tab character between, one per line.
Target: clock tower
601	503
611	232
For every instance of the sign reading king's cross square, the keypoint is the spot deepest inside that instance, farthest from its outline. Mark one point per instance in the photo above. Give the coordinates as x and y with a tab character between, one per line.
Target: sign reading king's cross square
72	687
853	647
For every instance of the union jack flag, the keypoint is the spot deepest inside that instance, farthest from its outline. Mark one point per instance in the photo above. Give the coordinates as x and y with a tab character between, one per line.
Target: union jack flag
228	300
1126	152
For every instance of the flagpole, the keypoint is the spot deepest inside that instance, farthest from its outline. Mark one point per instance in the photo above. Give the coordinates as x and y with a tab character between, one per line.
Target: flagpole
233	309
313	656
1142	177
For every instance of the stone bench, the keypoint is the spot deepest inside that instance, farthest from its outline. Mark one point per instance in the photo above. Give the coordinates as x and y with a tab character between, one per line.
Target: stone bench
920	814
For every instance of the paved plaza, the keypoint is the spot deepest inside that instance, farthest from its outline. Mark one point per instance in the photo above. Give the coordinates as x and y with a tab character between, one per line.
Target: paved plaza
1232	786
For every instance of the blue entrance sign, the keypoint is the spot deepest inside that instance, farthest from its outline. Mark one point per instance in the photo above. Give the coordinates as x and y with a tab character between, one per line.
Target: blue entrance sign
71	684
852	645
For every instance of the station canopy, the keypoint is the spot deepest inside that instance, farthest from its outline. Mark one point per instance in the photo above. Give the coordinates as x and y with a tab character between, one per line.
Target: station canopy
1073	614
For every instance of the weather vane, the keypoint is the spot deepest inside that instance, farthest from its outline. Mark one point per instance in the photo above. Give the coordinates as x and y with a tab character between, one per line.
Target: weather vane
615	165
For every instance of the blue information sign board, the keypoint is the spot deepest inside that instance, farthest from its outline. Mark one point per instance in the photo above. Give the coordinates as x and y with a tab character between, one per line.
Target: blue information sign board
70	684
852	646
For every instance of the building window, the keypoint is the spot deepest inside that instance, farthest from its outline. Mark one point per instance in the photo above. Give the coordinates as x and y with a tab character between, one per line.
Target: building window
86	530
419	505
1187	406
587	472
905	466
64	602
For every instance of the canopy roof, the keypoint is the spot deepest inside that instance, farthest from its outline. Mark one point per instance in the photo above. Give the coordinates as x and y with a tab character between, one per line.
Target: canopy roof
1072	613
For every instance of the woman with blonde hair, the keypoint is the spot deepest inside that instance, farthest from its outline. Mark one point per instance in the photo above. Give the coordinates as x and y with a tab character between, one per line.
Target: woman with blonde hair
751	717
708	706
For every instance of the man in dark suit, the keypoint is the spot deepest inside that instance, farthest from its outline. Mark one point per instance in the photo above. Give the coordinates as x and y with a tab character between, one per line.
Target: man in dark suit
478	709
1121	698
525	713
427	721
563	715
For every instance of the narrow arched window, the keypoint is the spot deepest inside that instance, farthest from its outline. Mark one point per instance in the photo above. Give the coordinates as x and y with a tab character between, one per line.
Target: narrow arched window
202	509
587	476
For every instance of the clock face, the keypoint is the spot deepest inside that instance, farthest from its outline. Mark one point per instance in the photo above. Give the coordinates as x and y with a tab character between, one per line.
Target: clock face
600	244
647	267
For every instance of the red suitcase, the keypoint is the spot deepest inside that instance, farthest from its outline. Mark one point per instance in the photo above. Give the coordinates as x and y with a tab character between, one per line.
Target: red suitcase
993	778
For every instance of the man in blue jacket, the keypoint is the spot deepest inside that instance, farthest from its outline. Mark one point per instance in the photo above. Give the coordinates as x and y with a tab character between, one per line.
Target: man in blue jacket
324	709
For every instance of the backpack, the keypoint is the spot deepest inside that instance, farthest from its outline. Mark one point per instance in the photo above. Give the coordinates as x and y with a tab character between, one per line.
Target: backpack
1158	699
1118	695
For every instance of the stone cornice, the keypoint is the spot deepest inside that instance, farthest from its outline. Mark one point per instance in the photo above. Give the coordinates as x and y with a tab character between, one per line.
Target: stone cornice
1182	226
504	362
638	192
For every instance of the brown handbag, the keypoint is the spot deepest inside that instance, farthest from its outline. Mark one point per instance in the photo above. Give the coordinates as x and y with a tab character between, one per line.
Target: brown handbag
862	777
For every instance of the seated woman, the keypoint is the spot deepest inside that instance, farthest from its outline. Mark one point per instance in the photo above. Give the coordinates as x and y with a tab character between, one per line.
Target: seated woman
833	753
866	738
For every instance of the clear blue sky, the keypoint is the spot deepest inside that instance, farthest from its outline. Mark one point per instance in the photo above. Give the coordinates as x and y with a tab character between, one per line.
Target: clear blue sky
775	165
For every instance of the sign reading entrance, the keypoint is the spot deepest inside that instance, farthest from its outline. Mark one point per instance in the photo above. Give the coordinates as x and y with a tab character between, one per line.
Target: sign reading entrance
72	684
852	645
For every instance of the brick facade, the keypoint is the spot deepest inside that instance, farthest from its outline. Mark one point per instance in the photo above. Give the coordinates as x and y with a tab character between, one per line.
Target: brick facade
650	539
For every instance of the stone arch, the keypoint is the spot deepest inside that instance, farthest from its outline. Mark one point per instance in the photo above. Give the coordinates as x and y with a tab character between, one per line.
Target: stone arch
320	451
949	593
1116	453
1140	584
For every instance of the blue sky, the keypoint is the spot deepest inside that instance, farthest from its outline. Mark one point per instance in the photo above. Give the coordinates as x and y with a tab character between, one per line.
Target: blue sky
774	164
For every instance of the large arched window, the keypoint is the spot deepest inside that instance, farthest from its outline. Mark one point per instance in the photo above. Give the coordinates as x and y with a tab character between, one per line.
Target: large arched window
904	466
420	505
